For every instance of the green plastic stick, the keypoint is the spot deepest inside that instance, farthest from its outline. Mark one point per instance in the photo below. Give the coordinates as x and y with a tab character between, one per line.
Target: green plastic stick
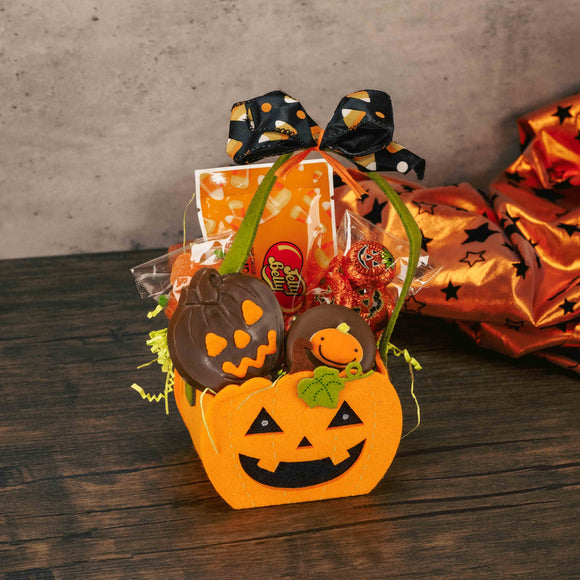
414	236
242	244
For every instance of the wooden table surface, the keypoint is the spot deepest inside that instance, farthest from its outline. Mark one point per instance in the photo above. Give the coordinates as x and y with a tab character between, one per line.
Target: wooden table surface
96	482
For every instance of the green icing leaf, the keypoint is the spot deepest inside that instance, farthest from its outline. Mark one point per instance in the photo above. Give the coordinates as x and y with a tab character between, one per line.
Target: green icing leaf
321	390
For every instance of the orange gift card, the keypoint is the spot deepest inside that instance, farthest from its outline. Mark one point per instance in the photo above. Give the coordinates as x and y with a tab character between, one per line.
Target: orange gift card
296	238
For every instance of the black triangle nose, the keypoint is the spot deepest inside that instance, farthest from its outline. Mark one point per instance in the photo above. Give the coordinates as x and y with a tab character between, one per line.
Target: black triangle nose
304	443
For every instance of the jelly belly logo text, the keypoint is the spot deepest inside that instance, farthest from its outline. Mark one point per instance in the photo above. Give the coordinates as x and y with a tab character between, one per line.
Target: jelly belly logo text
282	271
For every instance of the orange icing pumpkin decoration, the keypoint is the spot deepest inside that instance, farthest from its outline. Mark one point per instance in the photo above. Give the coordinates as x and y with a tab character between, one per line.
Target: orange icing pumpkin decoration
330	335
261	444
336	347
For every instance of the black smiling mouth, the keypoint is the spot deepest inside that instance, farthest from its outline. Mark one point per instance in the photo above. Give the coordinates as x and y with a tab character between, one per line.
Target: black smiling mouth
295	474
332	362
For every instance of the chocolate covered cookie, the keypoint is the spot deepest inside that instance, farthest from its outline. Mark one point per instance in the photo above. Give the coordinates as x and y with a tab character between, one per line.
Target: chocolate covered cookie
330	335
226	329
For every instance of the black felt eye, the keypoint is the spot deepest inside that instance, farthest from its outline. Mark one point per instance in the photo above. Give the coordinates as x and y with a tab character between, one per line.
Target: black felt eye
345	416
263	423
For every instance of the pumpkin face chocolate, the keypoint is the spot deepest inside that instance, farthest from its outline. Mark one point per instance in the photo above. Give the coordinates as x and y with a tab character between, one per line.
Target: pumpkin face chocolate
225	330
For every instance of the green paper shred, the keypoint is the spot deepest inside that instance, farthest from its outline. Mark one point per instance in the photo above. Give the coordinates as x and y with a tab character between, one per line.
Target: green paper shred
158	344
161	304
190	394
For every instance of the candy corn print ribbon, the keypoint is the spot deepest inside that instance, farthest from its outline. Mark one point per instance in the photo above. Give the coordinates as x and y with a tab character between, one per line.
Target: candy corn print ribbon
361	129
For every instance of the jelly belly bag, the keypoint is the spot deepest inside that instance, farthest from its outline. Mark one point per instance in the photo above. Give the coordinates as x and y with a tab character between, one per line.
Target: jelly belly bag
297	226
290	415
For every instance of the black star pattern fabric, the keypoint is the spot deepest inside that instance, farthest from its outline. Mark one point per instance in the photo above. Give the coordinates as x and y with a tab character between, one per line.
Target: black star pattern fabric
507	267
548	194
413	305
425	242
472	258
514	324
570	229
425	207
511	229
512	218
450	291
521	268
376	213
572	284
567	306
564	184
479	234
515	176
510	247
563	113
532	243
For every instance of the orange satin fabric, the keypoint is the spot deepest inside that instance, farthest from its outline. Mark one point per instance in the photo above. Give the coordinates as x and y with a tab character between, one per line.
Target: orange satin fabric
510	258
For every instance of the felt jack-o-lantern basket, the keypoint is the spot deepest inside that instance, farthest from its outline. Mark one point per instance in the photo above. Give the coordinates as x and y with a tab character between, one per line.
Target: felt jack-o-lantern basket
308	414
261	444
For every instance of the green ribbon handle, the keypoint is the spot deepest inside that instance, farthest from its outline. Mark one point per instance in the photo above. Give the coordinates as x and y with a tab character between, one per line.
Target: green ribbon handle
415	238
242	244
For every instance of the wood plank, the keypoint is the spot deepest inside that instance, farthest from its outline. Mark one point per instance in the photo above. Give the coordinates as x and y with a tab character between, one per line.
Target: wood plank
95	481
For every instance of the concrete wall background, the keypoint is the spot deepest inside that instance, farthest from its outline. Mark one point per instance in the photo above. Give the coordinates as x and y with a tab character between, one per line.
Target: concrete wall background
107	108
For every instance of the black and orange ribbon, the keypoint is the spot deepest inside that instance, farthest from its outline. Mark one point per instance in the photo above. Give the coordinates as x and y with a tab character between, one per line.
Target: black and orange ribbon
361	129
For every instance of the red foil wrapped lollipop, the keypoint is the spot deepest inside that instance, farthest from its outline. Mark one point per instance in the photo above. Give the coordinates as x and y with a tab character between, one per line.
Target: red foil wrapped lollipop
359	281
340	285
369	265
376	307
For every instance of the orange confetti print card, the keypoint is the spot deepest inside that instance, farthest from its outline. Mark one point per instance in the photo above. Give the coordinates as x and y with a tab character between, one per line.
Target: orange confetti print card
297	234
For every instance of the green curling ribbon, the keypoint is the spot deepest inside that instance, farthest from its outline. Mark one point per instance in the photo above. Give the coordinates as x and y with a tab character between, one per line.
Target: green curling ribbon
354	371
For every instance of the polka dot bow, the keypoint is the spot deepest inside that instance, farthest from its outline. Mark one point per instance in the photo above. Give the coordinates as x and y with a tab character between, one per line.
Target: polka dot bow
361	129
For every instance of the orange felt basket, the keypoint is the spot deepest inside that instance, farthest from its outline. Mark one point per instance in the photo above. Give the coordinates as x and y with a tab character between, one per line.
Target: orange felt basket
304	454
